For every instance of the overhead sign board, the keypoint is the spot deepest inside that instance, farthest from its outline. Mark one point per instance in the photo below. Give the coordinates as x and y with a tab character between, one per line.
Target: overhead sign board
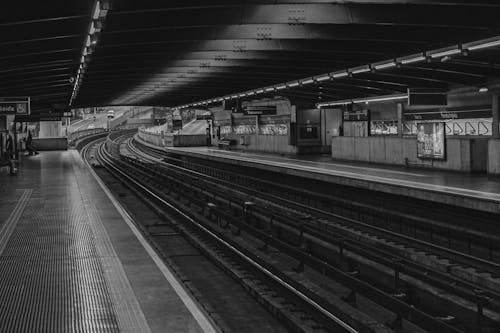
431	141
426	97
259	110
15	105
35	117
361	115
450	113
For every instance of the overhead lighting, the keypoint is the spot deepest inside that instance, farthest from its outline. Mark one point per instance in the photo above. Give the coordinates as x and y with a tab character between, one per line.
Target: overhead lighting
280	87
483	44
340	74
365	100
381	98
260	91
445	53
322	78
360	70
293	84
92	28
320	105
307	81
385	65
412	59
243	95
97	10
483	89
250	93
269	89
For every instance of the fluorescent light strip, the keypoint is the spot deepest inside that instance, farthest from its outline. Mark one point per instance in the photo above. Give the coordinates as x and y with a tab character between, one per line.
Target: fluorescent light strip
340	74
484	45
386	65
97	10
293	84
445	53
412	60
280	87
260	91
360	70
323	78
269	89
308	81
381	99
365	100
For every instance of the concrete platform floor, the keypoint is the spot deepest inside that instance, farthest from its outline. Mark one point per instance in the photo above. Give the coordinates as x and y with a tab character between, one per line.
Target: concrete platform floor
71	261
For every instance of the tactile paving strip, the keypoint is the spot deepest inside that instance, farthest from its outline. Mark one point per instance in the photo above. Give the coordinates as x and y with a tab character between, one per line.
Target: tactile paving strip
51	275
128	312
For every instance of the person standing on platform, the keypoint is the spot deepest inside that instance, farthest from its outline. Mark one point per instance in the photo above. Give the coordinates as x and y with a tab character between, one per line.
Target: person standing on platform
9	149
29	144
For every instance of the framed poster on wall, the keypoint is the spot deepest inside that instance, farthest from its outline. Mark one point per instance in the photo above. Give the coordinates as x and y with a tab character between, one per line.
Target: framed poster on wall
431	141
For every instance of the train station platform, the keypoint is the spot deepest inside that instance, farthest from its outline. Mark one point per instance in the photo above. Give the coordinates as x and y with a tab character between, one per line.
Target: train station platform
72	260
464	190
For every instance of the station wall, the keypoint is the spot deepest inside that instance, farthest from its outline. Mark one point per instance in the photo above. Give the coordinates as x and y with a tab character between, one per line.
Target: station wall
402	151
265	133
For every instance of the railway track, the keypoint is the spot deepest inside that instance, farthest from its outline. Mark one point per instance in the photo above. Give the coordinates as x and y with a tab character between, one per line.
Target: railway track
343	279
474	299
299	311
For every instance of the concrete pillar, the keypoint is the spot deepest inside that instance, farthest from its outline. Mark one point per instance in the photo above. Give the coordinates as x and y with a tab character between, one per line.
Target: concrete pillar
400	107
494	142
496	115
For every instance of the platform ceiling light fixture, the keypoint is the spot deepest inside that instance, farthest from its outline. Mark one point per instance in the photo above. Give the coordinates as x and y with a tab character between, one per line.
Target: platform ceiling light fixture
482	44
359	70
385	65
307	81
322	78
412	59
281	87
293	84
445	52
483	89
365	100
99	13
338	75
269	89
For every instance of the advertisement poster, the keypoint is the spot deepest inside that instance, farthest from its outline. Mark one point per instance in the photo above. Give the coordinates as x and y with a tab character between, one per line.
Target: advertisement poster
431	141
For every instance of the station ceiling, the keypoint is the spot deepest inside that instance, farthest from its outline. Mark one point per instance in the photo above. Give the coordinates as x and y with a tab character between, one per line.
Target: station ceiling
174	52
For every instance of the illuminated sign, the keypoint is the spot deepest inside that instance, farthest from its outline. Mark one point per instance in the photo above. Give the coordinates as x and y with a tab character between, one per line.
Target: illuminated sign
361	115
431	141
258	110
15	105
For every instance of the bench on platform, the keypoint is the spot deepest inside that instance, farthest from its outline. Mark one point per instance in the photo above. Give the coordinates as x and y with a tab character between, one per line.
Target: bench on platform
226	143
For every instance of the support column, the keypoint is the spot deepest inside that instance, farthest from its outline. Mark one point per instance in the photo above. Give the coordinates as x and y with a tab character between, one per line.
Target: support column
494	142
496	115
400	107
